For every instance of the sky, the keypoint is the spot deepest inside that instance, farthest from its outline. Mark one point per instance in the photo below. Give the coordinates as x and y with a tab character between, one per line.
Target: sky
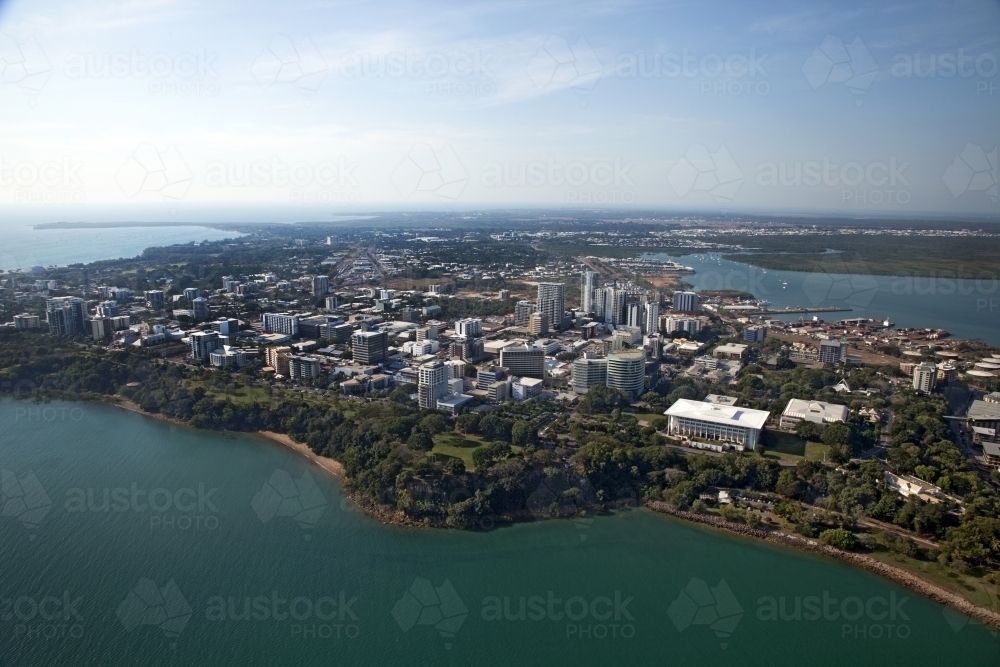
183	110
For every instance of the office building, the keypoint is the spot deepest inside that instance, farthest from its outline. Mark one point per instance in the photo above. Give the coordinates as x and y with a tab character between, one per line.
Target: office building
320	285
191	293
277	358
755	334
230	357
432	383
370	347
302	368
524	388
497	392
26	321
226	326
634	314
552	302
590	283
589	372
469	327
200	307
522	311
651	317
455	369
614	305
487	376
203	343
155	299
726	425
331	302
503	294
283	323
107	309
831	351
627	372
66	315
538	324
816	412
686	302
100	328
426	333
524	361
687	325
924	377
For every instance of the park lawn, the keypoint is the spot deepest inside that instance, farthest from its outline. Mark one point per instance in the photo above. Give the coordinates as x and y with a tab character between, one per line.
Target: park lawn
457	445
790	447
243	395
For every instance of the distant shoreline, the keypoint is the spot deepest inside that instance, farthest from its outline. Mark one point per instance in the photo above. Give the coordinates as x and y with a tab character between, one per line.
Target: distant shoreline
223	226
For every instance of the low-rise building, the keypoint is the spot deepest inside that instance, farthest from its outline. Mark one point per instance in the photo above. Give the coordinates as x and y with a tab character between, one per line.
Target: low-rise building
816	412
732	426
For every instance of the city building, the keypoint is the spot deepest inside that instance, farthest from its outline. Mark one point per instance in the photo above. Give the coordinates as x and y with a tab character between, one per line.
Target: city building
200	307
627	372
651	317
203	343
589	372
320	285
816	412
614	305
552	302
226	326
230	357
924	377
497	392
524	361
591	281
26	321
728	425
302	368
331	302
277	358
831	351
503	294
432	383
453	404
634	314
538	324
522	311
730	351
688	325
100	328
283	323
524	388
66	315
370	347
469	327
686	302
191	293
487	376
107	309
755	334
155	299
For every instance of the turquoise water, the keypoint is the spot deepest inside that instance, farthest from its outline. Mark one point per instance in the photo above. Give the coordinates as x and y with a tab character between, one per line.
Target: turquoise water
24	247
968	309
149	575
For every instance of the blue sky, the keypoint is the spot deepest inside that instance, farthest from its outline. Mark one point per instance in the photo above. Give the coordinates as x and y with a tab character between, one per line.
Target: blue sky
299	110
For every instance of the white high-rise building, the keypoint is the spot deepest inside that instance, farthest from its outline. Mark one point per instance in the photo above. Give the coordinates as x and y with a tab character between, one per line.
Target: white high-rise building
614	305
634	314
651	321
686	302
924	377
591	281
522	311
203	343
432	383
283	323
627	372
469	327
66	315
589	372
552	302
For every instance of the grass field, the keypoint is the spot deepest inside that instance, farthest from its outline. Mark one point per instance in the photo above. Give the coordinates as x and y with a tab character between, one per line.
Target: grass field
786	446
243	395
457	445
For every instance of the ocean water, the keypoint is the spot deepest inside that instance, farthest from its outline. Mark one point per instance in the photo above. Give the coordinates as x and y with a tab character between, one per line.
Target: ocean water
968	309
22	246
219	549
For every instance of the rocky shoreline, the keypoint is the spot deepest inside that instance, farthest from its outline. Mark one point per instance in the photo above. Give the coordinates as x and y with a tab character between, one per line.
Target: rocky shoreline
894	574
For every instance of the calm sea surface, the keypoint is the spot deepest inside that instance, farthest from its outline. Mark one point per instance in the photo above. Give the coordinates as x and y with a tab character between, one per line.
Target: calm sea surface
968	309
23	247
126	541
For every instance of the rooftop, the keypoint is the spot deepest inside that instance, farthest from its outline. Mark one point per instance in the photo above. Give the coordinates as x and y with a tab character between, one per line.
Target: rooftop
718	414
984	410
815	410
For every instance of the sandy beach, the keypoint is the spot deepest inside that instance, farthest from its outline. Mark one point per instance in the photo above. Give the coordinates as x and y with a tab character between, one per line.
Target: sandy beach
331	466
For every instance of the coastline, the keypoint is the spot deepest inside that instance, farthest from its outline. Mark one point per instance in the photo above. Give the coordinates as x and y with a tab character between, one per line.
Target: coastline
900	576
897	575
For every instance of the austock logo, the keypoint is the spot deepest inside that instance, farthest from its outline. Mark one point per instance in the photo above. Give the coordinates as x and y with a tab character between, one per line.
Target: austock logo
834	62
23	63
558	64
23	499
699	604
285	496
973	170
284	61
148	604
150	171
430	172
715	173
437	606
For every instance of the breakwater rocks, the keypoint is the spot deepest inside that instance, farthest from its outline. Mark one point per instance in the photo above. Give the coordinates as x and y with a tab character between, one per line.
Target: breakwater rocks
895	574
